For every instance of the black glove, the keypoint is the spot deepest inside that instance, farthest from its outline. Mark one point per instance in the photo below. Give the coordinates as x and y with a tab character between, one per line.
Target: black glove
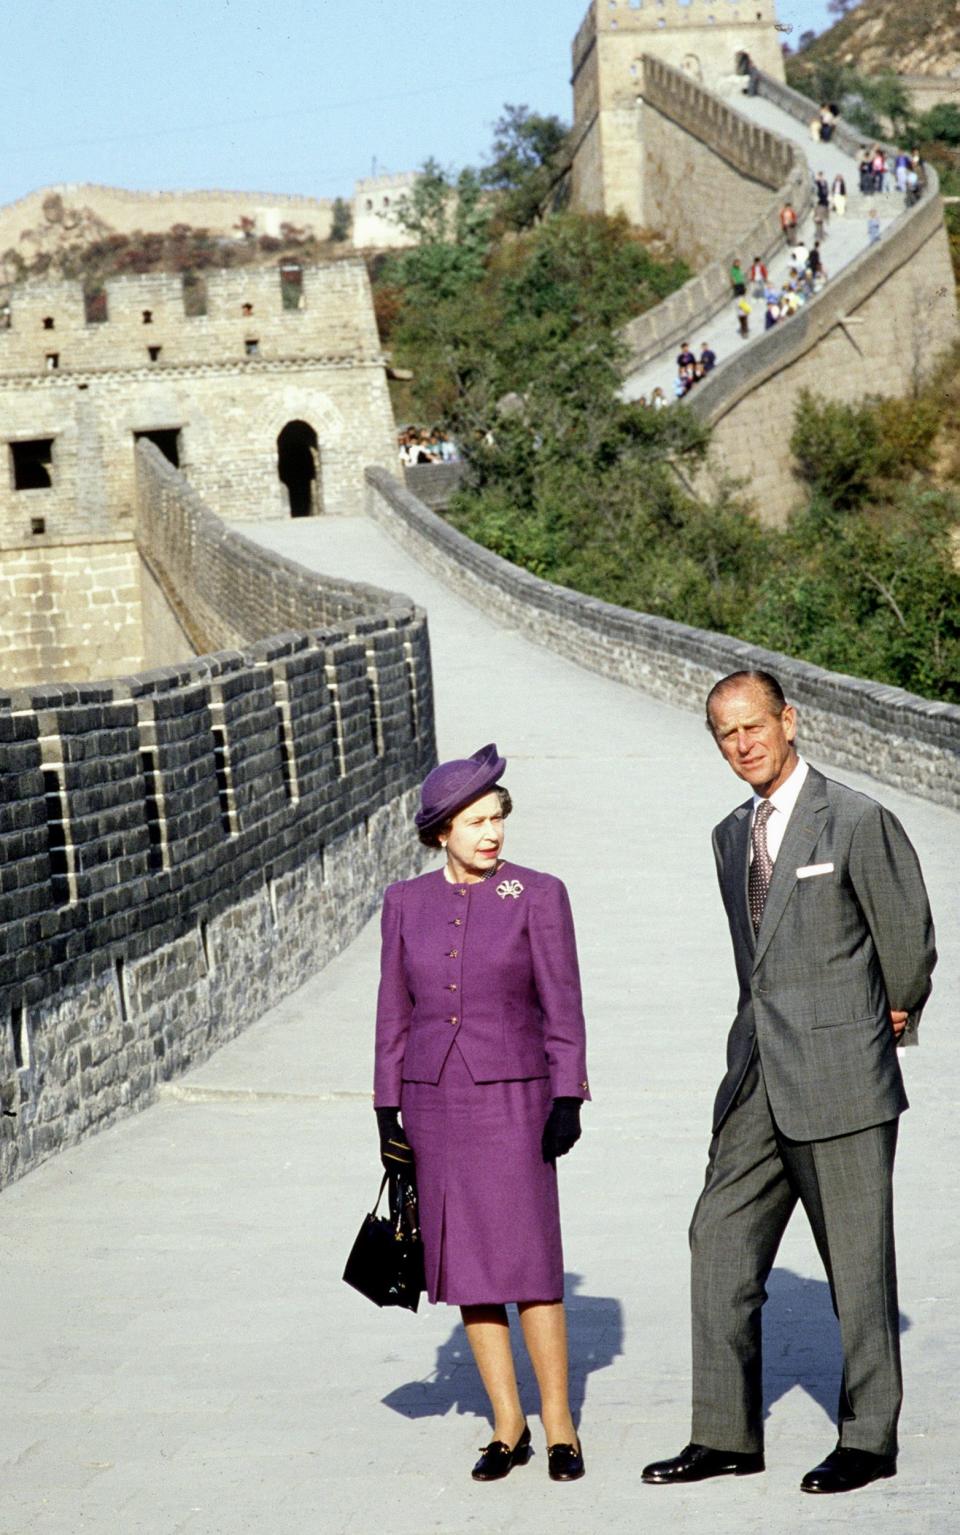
395	1149
562	1129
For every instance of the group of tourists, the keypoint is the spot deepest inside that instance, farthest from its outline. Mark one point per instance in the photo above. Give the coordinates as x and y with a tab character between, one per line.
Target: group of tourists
690	370
422	447
824	122
880	172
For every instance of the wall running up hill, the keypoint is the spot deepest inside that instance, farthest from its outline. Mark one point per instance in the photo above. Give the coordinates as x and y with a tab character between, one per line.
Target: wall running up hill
180	849
909	742
876	328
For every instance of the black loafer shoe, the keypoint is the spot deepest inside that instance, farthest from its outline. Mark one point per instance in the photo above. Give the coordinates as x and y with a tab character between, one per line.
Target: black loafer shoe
497	1458
846	1470
698	1462
565	1462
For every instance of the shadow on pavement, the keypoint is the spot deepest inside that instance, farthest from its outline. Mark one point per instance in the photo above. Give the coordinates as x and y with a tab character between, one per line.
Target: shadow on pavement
801	1341
595	1327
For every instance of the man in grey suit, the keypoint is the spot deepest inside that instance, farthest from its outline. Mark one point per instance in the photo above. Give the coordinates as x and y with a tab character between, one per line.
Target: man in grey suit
833	942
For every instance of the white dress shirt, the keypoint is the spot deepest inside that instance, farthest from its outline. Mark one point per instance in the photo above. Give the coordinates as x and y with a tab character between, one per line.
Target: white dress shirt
783	801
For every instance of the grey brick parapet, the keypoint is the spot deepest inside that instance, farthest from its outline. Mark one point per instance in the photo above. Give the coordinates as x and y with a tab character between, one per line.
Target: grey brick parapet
181	848
909	742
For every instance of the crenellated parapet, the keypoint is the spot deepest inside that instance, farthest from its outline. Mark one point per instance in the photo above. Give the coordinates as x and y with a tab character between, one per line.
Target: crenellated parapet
181	848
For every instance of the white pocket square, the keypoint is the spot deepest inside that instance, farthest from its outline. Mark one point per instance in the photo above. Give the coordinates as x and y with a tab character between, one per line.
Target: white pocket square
809	869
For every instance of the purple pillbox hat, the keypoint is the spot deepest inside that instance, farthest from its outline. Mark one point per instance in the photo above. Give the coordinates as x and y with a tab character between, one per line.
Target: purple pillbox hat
455	784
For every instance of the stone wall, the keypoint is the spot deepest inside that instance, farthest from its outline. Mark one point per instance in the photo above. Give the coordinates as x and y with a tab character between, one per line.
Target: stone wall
713	182
224	385
908	742
56	215
180	849
700	39
69	612
877	328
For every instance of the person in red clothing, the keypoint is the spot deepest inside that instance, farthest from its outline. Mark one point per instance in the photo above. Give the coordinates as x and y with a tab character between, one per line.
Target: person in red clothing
758	277
788	222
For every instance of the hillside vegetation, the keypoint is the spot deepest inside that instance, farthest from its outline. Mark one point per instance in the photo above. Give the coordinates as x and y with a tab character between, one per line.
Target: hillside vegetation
913	37
512	337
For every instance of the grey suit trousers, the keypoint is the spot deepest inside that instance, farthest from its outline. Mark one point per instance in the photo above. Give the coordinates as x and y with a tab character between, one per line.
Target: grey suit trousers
755	1177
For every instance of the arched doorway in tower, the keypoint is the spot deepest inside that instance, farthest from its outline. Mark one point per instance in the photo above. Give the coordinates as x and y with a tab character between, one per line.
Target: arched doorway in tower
298	467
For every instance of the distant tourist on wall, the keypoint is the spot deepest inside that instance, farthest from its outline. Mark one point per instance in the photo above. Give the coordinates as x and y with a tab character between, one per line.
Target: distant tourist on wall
821	215
772	315
828	117
744	310
879	167
708	357
758	277
658	399
838	195
912	186
738	279
866	170
788	222
873	227
821	187
685	358
799	255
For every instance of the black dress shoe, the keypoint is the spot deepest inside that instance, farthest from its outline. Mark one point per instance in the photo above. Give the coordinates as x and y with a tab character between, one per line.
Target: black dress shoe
497	1458
846	1470
697	1462
565	1462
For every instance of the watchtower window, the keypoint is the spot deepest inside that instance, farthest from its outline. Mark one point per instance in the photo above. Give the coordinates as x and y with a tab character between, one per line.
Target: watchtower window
167	439
251	347
153	352
291	284
148	317
48	322
38	525
32	464
95	305
53	361
194	295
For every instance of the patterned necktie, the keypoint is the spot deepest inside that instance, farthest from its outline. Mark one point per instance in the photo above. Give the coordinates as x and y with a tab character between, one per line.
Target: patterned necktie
761	865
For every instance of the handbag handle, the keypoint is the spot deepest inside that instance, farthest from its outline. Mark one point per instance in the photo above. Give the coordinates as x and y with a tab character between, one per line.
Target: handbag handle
380	1195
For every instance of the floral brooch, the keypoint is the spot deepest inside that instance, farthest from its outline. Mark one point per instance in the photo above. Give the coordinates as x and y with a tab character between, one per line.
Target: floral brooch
509	887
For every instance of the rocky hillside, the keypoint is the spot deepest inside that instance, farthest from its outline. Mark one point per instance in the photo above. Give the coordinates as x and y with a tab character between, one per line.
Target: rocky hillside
912	37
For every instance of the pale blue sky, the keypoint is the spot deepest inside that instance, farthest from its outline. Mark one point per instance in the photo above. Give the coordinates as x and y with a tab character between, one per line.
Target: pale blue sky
298	96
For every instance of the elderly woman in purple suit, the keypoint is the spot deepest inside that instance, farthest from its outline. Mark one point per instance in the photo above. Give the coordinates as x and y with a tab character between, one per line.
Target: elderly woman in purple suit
480	1047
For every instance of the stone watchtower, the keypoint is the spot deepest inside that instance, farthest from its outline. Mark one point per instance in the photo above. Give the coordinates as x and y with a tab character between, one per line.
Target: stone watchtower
701	37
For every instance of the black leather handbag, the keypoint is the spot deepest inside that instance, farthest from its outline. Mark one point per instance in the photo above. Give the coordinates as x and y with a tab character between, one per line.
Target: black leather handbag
386	1260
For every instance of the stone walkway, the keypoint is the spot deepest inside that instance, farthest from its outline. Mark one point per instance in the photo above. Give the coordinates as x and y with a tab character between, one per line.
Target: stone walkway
845	239
180	1353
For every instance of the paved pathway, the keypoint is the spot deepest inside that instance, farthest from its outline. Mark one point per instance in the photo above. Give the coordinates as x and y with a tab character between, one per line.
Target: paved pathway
180	1354
845	238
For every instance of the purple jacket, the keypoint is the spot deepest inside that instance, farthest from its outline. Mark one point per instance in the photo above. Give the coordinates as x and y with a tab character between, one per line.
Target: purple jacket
491	965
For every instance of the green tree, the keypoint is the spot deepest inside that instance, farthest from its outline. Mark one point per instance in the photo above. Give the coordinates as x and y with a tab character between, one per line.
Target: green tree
342	221
941	124
528	158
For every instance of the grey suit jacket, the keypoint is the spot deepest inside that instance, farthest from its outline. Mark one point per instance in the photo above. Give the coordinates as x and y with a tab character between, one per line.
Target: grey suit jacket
834	953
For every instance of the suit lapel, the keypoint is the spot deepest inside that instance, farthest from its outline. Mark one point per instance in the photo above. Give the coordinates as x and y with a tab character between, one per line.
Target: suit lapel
799	840
736	866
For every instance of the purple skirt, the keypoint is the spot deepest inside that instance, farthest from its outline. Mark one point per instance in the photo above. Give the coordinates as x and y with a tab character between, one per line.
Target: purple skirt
489	1209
